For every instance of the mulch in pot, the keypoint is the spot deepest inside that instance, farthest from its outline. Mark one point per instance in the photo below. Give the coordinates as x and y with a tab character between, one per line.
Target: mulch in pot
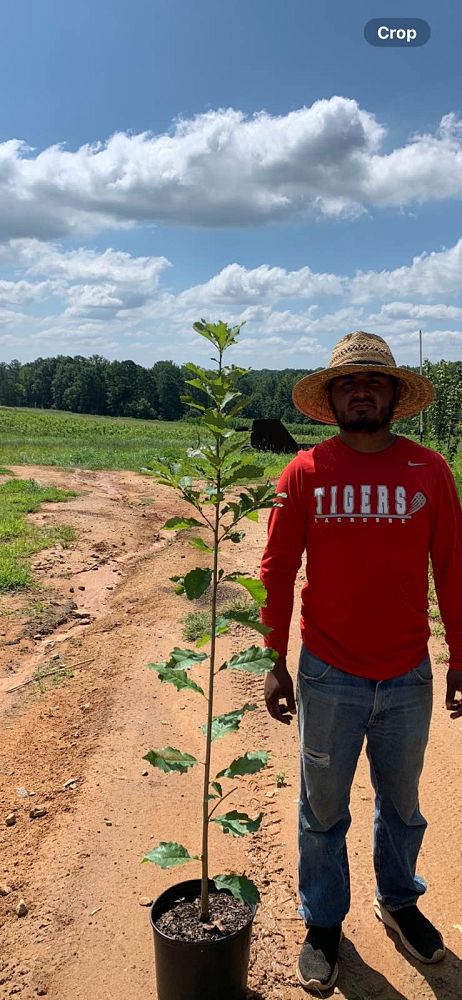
226	916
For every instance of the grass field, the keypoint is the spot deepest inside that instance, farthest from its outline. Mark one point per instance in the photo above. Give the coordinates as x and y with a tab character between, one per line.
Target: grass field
69	440
66	440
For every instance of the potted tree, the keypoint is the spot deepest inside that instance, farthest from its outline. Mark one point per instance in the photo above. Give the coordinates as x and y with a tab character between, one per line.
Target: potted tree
202	927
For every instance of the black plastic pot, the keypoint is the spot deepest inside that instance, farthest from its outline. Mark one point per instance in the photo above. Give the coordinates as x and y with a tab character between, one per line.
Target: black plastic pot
199	970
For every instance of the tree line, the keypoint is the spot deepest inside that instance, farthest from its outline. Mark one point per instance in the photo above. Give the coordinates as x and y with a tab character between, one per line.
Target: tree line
124	389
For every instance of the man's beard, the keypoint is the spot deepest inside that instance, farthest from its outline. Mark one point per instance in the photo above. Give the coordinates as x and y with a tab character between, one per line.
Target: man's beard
363	422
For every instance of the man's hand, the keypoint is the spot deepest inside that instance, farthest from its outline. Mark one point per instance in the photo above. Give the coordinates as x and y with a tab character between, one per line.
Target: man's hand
454	685
279	687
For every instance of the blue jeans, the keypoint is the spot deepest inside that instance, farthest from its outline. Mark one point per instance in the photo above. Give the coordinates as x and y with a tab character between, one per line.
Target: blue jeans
336	711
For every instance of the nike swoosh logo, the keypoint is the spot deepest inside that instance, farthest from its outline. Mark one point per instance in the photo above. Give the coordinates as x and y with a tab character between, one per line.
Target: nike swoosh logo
416	463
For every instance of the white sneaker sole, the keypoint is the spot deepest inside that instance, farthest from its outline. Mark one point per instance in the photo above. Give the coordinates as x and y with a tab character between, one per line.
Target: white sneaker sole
315	984
387	918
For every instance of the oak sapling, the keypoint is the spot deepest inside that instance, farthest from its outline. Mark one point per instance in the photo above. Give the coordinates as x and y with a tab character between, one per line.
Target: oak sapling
222	484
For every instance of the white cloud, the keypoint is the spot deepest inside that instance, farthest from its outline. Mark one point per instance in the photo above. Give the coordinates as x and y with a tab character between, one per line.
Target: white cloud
225	169
438	310
84	265
429	276
92	284
112	302
236	284
22	292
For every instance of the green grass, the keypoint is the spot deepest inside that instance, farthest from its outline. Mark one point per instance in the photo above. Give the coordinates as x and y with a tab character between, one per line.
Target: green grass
456	466
74	440
69	440
197	623
20	539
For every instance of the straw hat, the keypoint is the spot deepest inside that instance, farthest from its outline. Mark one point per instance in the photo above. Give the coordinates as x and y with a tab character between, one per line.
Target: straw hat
364	352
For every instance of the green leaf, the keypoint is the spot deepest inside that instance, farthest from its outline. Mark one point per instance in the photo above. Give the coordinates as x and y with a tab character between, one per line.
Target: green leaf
197	582
178	678
184	658
178	523
237	824
242	473
203	639
250	763
157	666
239	886
215	421
255	660
169	855
198	543
234	444
238	407
197	383
244	618
229	722
169	759
254	587
217	787
180	659
252	515
201	373
208	461
192	403
235	537
220	334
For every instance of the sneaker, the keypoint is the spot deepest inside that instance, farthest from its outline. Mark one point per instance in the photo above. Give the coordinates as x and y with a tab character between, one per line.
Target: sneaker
420	938
317	967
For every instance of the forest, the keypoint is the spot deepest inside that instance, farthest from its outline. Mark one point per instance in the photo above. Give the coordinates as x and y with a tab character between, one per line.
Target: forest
125	389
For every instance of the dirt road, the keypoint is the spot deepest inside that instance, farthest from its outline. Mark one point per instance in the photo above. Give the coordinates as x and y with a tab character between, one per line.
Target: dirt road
72	743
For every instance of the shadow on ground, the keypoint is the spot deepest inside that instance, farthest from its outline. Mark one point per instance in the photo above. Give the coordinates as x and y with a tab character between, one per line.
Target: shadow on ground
358	981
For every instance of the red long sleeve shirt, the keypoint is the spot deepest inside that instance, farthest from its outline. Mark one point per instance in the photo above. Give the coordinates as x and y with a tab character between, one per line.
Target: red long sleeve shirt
369	523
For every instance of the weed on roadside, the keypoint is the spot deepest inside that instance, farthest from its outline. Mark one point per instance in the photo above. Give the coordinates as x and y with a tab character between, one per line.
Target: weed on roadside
20	539
197	623
51	675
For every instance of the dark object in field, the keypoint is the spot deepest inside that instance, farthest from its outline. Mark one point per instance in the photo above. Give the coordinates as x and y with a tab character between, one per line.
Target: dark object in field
195	963
271	435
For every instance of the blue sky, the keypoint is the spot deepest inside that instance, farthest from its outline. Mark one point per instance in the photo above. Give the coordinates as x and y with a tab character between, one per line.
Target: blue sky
166	160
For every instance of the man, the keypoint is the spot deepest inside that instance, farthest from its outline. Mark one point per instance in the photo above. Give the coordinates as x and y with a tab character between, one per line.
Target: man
370	508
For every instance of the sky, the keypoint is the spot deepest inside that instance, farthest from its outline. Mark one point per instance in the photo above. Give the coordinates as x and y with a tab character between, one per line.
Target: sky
256	161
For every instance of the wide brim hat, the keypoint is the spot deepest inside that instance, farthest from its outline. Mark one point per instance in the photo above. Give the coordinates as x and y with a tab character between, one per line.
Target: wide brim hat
361	352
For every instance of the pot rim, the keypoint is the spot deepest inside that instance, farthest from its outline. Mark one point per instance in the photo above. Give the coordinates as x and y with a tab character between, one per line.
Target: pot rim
203	941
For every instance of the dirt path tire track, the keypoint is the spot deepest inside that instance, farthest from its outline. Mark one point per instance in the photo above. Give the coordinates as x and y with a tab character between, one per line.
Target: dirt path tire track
79	869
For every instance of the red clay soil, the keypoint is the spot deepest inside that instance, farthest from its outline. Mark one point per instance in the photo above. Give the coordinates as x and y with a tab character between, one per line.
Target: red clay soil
72	744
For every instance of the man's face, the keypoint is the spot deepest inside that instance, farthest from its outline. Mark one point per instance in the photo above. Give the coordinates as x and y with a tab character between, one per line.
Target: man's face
363	401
